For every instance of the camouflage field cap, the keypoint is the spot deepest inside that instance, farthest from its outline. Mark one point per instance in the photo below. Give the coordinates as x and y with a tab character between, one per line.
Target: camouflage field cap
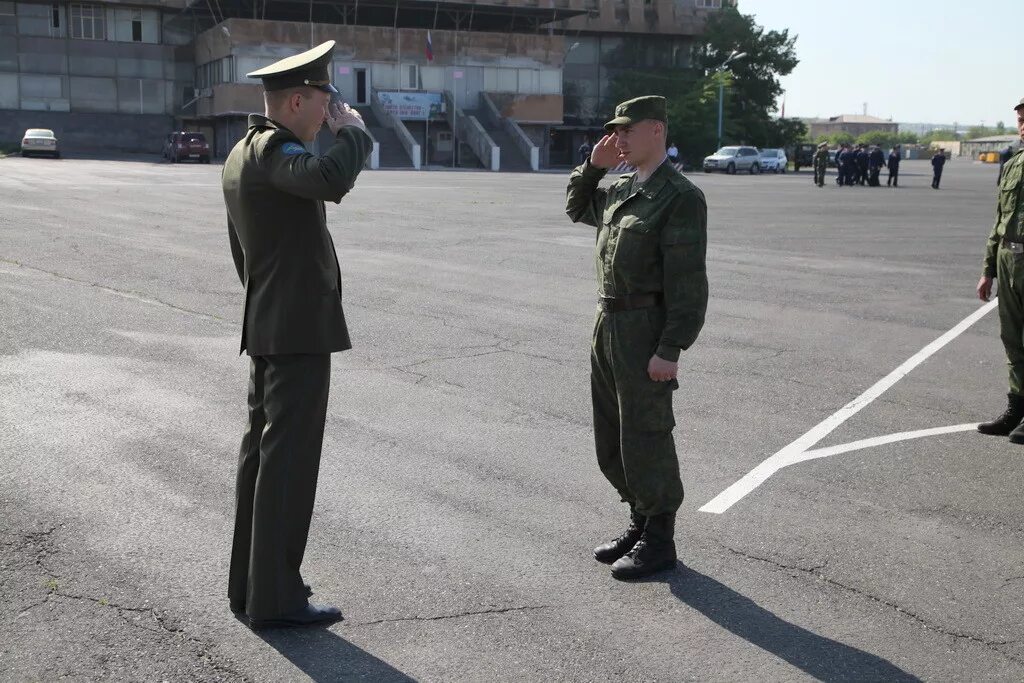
311	68
1019	104
638	109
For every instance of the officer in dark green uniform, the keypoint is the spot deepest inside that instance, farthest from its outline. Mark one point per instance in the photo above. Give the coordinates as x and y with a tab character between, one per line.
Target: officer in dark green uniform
820	164
293	320
1004	261
653	291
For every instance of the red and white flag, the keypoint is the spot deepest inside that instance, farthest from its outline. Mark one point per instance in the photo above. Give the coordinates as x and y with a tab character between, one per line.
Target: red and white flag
430	48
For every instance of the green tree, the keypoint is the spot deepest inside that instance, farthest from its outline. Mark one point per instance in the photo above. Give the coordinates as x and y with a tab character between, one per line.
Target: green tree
938	134
751	87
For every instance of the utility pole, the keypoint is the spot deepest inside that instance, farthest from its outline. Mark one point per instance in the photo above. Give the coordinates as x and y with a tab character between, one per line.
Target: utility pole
721	88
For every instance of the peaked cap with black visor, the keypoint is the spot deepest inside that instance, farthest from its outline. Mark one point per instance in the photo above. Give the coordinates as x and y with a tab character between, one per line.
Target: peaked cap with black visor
311	68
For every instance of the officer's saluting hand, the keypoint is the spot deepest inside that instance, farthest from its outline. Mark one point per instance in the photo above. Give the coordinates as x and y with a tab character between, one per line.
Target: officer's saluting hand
339	114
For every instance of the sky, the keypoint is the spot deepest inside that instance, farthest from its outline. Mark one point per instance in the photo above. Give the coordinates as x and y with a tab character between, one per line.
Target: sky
916	61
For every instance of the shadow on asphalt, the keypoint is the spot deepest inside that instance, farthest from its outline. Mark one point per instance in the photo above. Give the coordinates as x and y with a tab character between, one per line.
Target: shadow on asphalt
325	656
818	656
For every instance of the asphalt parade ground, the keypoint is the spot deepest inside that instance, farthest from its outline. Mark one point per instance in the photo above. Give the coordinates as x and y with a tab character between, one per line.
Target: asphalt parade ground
843	521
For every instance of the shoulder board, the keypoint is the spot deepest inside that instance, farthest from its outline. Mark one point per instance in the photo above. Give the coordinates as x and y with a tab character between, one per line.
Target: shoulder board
266	140
681	182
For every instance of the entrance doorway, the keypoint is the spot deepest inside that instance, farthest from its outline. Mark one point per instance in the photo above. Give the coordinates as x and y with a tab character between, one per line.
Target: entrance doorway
362	86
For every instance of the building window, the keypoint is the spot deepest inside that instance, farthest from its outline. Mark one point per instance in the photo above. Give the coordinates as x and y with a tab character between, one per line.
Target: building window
410	80
87	22
55	17
709	4
215	72
136	25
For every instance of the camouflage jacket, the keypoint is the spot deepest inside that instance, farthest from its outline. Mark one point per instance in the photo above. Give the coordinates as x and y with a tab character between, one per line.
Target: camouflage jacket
1009	210
651	238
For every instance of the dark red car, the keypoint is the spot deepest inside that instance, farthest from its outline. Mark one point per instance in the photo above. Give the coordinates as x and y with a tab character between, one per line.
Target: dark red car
183	146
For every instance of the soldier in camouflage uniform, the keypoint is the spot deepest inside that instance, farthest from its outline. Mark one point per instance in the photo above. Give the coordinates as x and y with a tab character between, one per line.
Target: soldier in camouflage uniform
1004	261
653	291
820	164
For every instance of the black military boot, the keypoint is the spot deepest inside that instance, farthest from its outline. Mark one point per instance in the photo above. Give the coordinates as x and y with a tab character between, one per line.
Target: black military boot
1008	421
613	550
655	551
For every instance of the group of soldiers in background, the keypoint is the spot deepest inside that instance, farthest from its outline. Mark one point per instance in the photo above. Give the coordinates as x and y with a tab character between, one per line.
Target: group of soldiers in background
860	165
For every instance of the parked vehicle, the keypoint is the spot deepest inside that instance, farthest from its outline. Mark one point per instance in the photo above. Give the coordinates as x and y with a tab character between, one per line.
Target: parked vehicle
802	155
774	160
39	141
733	159
182	146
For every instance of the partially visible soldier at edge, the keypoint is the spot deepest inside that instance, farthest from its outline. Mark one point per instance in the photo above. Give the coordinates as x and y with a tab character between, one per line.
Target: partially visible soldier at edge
653	292
293	320
1004	261
820	164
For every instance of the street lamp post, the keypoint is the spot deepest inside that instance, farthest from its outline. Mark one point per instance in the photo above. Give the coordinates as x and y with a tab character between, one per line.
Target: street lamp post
721	89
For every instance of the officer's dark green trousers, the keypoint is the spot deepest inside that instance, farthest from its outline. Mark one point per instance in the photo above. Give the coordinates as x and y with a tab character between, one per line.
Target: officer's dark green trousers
277	472
633	418
1010	290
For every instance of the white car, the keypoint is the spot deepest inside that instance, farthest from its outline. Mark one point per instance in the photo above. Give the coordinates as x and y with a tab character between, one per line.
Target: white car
39	141
773	160
732	159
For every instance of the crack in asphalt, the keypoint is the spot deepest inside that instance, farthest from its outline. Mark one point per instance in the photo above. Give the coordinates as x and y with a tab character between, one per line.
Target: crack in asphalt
40	541
458	615
127	293
815	571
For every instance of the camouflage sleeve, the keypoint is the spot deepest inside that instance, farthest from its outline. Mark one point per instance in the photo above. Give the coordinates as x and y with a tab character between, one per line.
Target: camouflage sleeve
684	248
327	177
236	251
585	201
991	247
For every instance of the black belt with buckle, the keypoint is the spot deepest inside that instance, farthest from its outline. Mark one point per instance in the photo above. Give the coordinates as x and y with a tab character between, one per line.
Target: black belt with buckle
617	304
1015	247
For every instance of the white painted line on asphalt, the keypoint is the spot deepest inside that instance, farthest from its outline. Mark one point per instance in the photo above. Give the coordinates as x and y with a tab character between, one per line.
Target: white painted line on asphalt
792	453
879	441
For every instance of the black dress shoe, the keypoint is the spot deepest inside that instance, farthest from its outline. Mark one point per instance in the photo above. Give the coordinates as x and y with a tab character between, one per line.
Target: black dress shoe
310	615
238	607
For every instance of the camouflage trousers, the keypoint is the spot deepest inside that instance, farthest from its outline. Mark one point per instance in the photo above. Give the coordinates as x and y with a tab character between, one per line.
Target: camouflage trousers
633	417
1010	290
819	175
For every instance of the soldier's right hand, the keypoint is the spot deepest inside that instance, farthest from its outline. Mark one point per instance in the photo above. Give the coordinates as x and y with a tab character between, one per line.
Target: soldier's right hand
339	115
984	288
605	153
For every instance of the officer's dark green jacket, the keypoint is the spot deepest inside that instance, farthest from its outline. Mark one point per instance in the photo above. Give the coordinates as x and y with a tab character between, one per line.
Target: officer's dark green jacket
1009	211
275	192
651	239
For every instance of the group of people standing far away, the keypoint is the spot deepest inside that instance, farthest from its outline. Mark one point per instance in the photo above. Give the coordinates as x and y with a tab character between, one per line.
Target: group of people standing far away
860	165
863	164
586	149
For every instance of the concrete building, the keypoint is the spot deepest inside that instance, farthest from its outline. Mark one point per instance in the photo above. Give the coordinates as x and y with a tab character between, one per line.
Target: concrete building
510	84
853	124
994	143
